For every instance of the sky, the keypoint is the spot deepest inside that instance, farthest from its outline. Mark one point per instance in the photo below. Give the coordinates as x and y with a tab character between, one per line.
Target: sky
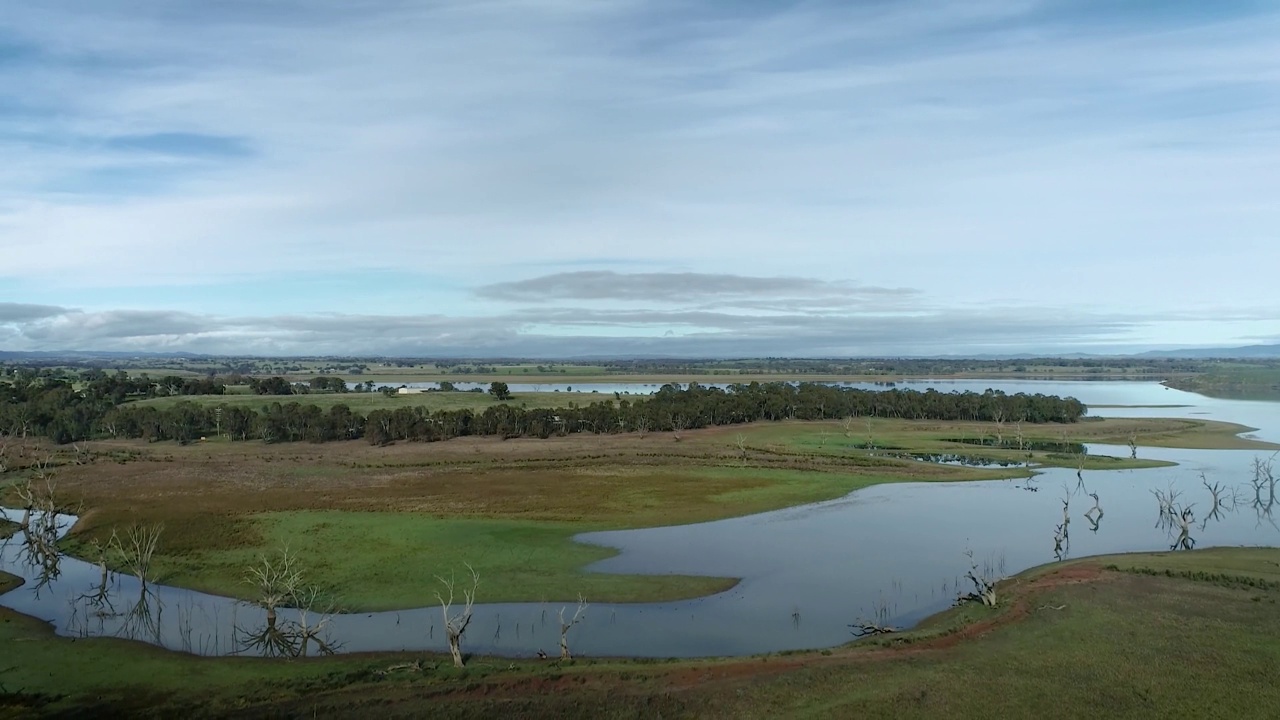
564	178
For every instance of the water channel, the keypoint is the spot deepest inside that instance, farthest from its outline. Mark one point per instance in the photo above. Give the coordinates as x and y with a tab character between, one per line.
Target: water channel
891	552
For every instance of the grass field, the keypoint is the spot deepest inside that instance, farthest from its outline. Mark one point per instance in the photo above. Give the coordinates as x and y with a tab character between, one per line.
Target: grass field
384	561
938	436
357	515
358	528
586	374
1234	381
366	402
1068	640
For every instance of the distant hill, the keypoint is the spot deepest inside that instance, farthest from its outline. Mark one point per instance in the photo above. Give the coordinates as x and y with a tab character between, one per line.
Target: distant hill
1247	351
89	354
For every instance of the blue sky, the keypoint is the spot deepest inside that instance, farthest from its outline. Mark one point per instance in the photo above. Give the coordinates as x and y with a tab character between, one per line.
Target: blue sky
565	177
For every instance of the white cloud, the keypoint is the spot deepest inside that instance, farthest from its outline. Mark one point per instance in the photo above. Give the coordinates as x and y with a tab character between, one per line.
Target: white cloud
1015	154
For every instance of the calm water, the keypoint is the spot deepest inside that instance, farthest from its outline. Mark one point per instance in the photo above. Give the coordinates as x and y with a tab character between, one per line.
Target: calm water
806	572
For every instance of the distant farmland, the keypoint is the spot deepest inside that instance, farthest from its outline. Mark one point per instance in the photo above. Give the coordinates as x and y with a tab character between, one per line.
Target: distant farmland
366	402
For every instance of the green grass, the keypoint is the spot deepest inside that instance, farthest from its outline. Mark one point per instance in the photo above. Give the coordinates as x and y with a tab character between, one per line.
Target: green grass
390	560
896	438
1260	564
1125	645
366	402
377	535
85	677
1147	648
384	561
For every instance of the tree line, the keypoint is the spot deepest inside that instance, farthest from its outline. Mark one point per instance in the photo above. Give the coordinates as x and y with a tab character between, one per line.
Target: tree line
100	408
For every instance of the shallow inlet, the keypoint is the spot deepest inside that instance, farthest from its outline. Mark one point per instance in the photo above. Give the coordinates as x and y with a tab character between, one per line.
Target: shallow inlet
892	551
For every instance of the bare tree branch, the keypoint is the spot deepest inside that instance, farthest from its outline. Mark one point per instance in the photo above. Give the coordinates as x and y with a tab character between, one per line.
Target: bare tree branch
455	623
566	626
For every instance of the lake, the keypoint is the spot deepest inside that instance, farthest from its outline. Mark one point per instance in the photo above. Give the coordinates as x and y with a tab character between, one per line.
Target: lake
896	552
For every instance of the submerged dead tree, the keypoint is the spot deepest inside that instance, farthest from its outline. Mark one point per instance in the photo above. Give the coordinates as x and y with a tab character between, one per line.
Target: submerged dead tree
1264	486
455	623
39	524
1220	500
877	626
565	627
135	549
1094	514
279	582
100	598
315	611
275	580
1167	501
1062	533
37	491
1184	519
984	581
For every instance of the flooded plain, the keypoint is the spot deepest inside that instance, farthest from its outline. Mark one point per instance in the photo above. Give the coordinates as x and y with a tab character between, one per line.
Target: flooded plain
891	553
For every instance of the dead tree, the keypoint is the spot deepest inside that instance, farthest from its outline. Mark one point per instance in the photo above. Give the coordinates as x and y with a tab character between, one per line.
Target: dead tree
100	598
82	456
40	547
998	416
566	626
1264	484
280	582
847	424
455	623
1184	519
1094	514
1022	440
678	424
135	550
1062	533
984	582
642	426
1219	501
1167	501
37	491
1133	444
275	581
142	618
315	612
39	523
879	626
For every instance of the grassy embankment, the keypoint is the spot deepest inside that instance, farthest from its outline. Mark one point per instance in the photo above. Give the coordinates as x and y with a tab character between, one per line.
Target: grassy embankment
1164	635
376	525
1234	381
